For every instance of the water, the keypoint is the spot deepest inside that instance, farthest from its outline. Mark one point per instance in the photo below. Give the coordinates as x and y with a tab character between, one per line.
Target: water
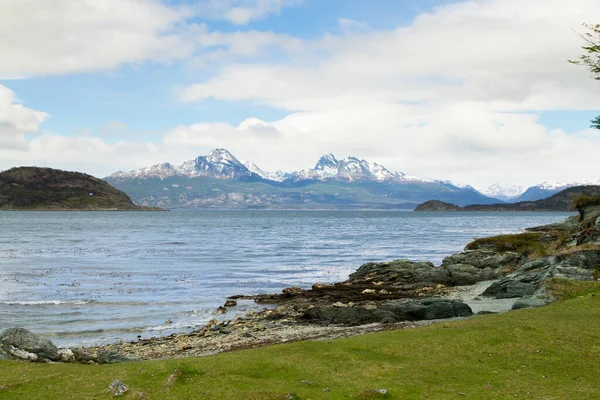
92	277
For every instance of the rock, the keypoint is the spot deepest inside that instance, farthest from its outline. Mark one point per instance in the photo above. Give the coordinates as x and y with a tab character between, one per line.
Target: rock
221	310
111	357
174	377
82	356
66	355
21	339
318	286
472	266
529	278
401	273
339	304
538	299
117	388
369	291
407	310
20	354
231	303
291	291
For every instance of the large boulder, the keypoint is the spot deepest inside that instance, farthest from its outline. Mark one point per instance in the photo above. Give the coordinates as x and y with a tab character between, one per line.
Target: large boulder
20	343
407	310
474	266
530	277
403	273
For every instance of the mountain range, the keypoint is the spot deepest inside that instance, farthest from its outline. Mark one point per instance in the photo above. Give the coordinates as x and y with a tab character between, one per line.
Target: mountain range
220	180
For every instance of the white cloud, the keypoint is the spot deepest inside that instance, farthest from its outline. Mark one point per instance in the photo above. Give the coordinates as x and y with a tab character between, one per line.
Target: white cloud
452	96
16	121
71	36
242	12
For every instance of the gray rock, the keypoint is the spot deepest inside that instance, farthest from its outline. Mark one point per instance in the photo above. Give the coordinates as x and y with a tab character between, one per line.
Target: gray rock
538	299
22	339
111	357
470	267
401	273
66	355
407	310
82	356
117	388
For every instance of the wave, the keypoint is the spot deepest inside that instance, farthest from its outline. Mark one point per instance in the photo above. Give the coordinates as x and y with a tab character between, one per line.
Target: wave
45	302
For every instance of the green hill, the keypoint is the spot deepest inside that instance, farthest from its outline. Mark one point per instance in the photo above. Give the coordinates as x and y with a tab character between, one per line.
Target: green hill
34	188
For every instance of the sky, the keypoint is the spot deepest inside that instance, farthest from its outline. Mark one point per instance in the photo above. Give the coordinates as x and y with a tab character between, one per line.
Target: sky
476	92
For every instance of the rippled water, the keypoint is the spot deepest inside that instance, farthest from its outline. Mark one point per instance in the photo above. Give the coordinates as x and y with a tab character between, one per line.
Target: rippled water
91	277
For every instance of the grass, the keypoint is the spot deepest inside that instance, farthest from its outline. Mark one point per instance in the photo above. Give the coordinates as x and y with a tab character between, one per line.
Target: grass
520	243
545	353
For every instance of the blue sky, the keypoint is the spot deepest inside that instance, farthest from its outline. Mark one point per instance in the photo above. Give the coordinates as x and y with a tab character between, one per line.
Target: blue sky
137	82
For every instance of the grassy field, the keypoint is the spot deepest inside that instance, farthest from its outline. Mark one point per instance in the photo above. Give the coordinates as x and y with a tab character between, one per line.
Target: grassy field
545	353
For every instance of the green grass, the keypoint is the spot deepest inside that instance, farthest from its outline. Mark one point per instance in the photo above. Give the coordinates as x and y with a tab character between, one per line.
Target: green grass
520	243
545	353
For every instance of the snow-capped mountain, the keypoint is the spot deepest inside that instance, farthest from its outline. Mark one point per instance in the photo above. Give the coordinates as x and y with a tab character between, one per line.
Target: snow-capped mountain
277	176
547	189
219	163
504	191
364	184
351	169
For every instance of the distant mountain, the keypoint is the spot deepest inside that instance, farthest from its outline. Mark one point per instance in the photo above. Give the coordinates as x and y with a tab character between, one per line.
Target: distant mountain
547	189
221	180
561	201
504	192
33	188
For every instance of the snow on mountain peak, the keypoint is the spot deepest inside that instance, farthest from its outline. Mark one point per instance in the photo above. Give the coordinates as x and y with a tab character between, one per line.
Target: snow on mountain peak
502	190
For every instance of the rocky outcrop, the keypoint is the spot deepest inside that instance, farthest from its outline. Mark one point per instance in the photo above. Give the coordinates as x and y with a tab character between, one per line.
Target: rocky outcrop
469	267
19	343
529	278
406	310
403	273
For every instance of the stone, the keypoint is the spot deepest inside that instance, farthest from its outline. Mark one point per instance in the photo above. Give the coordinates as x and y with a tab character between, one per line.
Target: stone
221	310
82	356
111	357
472	266
230	303
539	299
22	339
20	354
339	304
406	310
117	388
66	355
401	273
369	291
292	291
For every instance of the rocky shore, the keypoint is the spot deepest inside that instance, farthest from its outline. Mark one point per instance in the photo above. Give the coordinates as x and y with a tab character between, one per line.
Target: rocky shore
492	275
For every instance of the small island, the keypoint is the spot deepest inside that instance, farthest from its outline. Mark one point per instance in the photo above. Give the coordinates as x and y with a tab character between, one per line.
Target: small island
47	189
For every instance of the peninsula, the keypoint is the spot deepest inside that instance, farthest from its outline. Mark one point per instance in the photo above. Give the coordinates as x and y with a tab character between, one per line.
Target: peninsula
37	189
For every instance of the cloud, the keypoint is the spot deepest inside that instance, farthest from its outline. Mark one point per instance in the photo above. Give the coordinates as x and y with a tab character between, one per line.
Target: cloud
16	121
242	12
454	95
73	36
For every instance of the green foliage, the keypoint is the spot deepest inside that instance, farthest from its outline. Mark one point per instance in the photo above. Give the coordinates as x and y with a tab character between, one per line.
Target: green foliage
586	200
520	243
591	59
550	352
